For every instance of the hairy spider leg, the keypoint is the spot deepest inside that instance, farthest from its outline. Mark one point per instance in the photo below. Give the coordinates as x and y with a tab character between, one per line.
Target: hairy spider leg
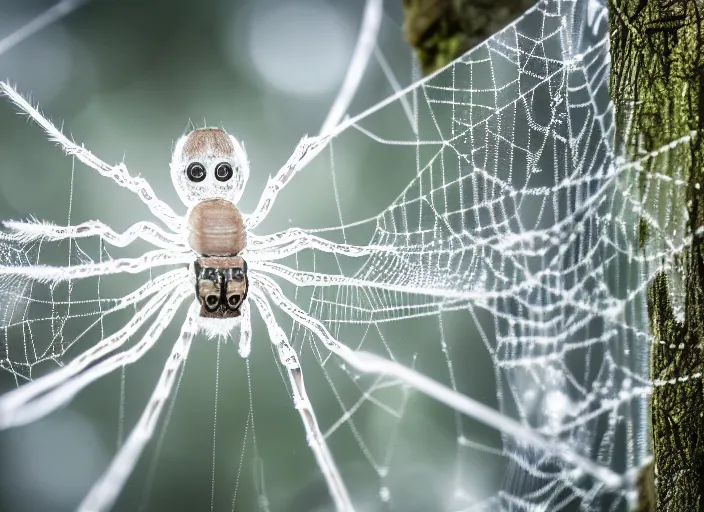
372	363
105	491
12	404
52	274
306	150
118	173
25	232
62	394
245	344
291	241
316	439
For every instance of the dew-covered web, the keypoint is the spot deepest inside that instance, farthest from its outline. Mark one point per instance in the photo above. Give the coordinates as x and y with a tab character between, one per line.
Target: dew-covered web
502	264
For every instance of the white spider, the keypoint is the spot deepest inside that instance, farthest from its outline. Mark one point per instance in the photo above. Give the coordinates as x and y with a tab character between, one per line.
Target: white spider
222	174
41	396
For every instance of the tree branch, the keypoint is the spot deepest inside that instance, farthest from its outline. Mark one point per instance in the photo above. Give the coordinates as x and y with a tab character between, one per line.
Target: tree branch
442	30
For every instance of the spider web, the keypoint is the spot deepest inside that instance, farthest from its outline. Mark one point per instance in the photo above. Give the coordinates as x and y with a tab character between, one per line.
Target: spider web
515	233
505	265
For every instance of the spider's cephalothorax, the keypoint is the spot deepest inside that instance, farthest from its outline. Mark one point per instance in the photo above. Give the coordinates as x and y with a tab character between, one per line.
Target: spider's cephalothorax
209	169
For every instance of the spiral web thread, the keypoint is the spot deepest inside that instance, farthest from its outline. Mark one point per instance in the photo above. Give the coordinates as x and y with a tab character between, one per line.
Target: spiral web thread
519	225
520	209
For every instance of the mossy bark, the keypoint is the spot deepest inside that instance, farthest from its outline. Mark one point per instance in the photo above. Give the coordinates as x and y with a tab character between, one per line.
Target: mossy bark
657	82
442	30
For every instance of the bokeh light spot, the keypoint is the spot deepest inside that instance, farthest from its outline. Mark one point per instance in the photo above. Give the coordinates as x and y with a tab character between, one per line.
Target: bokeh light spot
318	45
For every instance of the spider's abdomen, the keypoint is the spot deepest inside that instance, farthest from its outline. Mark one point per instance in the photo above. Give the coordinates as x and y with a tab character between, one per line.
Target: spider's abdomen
216	228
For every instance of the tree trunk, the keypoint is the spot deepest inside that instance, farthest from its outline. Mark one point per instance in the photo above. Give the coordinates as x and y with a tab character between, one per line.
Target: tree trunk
442	30
657	80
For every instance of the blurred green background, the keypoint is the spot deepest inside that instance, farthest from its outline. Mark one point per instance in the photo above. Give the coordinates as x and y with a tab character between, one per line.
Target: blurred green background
125	77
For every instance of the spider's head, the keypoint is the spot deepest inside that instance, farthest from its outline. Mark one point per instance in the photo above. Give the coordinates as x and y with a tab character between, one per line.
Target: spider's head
208	163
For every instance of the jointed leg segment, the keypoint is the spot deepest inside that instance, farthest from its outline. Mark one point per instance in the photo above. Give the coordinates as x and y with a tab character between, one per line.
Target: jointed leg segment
40	397
50	274
371	363
306	150
118	173
291	241
105	491
245	345
30	231
273	290
316	440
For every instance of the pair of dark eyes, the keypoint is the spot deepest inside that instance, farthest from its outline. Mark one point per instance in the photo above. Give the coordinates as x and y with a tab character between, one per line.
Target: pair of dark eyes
196	172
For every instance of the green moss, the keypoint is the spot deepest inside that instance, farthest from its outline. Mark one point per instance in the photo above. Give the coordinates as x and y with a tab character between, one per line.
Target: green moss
660	313
646	489
442	30
444	51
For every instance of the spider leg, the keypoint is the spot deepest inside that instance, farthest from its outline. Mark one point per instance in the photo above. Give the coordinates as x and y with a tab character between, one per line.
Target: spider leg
47	273
13	405
25	232
37	404
309	147
285	243
306	150
104	492
273	290
118	173
371	363
303	278
245	345
316	439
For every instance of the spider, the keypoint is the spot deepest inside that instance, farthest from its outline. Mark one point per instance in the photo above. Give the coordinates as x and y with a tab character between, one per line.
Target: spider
224	267
227	269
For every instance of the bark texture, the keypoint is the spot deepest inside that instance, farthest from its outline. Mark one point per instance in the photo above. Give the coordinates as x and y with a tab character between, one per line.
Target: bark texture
657	81
442	30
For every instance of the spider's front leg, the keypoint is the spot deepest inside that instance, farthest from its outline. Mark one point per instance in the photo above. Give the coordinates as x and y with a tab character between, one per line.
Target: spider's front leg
316	439
118	173
26	232
286	243
307	149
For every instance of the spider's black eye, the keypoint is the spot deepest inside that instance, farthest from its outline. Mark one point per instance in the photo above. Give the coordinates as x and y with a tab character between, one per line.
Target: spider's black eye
195	172
223	172
233	300
212	301
237	274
